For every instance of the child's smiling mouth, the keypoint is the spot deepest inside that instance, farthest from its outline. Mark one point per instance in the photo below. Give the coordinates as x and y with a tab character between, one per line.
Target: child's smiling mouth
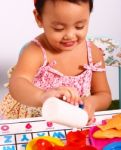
68	43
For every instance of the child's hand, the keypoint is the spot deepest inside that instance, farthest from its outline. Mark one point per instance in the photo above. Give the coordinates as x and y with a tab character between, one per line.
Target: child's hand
68	94
71	95
89	108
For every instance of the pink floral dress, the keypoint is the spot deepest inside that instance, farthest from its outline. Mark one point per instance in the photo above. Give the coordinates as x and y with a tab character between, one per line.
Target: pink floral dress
47	77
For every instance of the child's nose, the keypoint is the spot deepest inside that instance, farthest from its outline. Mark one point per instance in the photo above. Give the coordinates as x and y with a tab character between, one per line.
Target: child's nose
69	35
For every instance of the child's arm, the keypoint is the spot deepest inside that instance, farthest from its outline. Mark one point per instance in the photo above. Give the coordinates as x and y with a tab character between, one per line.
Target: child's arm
100	98
20	86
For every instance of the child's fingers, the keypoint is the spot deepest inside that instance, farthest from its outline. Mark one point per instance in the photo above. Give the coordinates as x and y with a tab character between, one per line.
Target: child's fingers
64	94
91	121
81	101
70	95
74	96
90	110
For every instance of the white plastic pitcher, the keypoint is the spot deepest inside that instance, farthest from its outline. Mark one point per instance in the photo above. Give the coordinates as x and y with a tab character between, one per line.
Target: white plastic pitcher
61	112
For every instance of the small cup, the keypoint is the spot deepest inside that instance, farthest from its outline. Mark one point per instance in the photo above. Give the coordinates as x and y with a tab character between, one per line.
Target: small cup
61	112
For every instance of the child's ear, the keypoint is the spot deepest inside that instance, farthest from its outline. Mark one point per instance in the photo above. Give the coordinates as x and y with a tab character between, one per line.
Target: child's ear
37	18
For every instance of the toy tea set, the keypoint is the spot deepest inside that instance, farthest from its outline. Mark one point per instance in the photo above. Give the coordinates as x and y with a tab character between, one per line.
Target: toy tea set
106	136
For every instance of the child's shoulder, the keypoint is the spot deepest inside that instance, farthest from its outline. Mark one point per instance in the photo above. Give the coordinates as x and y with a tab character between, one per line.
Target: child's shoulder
31	48
32	52
97	53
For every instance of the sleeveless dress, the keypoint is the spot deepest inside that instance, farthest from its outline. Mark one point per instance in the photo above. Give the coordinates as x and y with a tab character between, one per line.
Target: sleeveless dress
47	77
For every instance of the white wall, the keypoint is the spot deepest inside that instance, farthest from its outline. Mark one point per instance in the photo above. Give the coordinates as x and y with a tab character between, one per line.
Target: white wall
106	19
17	26
106	22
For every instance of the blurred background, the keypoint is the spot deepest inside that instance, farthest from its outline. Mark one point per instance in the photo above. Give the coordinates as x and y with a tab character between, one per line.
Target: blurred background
17	26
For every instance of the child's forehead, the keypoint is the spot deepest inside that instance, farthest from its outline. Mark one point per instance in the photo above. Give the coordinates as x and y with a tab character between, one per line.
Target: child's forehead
64	9
40	4
62	4
54	2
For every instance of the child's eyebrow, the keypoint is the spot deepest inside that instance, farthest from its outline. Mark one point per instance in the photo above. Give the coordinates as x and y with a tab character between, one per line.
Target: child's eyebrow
57	23
60	23
81	21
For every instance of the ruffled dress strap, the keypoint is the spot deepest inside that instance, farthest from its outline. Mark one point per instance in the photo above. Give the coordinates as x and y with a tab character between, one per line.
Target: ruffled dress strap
91	65
46	66
43	51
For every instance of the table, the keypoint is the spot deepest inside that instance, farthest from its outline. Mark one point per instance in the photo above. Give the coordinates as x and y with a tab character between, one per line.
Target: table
15	134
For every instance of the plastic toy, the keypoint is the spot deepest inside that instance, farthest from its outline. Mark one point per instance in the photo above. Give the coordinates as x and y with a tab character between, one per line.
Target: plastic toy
43	141
113	146
75	140
54	110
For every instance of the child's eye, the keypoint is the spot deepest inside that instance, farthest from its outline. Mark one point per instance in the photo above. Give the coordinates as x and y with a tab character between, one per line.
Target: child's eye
58	29
79	28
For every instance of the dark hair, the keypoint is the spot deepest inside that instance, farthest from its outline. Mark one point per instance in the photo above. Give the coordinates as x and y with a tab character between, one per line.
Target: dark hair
39	4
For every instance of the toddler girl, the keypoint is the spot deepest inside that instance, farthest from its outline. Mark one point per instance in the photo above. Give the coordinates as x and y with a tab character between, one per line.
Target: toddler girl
60	63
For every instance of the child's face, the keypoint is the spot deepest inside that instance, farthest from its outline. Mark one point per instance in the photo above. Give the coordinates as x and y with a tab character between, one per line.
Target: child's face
65	24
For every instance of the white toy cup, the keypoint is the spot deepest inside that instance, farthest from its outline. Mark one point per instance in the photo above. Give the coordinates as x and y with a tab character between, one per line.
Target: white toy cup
61	112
